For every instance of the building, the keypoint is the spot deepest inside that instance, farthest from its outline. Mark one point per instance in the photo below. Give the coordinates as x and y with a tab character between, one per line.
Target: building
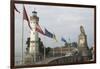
64	50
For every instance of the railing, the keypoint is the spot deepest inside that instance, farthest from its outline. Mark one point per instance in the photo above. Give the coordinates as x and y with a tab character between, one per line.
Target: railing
69	59
59	60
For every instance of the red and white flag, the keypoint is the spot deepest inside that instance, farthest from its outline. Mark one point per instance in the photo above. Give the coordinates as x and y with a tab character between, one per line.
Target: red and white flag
25	17
38	29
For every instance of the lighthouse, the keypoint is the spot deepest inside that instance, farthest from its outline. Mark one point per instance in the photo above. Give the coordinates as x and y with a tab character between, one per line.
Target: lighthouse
34	34
33	48
33	51
33	40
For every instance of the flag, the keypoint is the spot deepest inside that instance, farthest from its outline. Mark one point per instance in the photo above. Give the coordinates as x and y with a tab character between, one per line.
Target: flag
62	39
16	9
48	34
38	29
25	17
55	38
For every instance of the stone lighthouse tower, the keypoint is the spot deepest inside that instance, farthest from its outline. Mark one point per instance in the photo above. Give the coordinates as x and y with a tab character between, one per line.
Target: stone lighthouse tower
33	48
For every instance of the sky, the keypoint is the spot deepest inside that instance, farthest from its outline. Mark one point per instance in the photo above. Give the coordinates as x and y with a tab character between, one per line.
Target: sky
62	21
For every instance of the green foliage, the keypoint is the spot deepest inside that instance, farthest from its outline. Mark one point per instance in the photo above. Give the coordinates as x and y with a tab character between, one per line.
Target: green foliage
47	51
41	46
90	54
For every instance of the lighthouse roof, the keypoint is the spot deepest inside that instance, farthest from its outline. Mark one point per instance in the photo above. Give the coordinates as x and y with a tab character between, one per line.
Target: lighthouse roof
34	11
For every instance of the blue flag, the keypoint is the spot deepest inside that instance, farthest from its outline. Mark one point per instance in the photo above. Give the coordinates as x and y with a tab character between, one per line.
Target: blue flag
62	39
49	34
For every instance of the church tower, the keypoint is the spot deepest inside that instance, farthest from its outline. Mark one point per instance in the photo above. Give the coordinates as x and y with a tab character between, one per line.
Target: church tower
82	44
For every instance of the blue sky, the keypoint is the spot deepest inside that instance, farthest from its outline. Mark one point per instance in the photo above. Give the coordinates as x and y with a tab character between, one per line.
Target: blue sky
63	21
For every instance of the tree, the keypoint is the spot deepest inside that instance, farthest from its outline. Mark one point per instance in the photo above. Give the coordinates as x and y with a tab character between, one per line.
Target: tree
47	51
74	44
28	44
90	53
41	46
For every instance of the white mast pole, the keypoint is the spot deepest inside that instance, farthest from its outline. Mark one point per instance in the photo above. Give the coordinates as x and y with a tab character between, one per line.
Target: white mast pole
22	33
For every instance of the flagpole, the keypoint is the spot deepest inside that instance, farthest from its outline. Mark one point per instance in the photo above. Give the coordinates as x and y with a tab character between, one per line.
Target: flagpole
53	48
70	45
44	50
61	51
53	52
22	34
56	41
